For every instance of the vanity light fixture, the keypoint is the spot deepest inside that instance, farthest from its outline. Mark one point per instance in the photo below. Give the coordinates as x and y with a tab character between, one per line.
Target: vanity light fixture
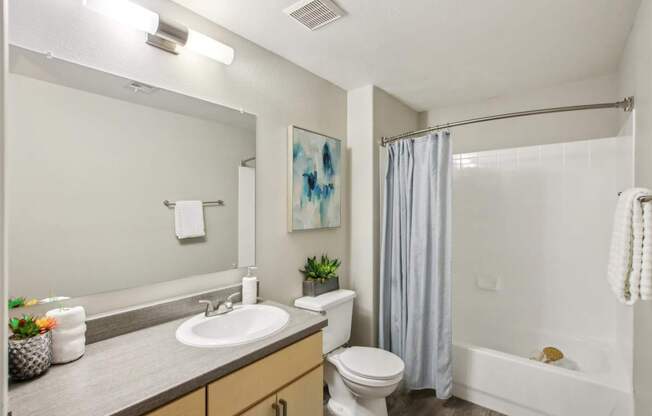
164	34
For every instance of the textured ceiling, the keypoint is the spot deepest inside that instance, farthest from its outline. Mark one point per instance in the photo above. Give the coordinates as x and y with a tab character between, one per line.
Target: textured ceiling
430	53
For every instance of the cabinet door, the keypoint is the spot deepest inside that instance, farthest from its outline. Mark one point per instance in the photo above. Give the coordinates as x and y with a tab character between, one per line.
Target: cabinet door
234	393
194	404
264	408
305	396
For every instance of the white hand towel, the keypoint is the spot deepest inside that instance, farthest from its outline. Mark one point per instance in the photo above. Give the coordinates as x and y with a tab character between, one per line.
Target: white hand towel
189	219
626	255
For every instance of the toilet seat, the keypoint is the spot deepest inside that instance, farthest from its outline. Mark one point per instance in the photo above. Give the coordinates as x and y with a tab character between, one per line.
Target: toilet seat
367	382
372	363
371	367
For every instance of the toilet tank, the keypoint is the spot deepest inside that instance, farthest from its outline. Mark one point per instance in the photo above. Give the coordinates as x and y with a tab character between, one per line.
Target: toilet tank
338	307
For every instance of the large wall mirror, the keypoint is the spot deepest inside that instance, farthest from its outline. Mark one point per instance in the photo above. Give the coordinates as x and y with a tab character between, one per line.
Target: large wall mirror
91	158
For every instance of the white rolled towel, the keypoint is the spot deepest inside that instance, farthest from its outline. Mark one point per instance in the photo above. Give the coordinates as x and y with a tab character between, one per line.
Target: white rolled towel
626	270
69	337
646	258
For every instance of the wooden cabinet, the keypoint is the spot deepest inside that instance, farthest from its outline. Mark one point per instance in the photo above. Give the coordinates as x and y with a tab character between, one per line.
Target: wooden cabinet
264	408
305	396
288	382
194	404
302	397
237	392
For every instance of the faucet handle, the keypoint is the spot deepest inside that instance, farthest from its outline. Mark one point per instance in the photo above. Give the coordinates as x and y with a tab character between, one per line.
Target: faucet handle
229	300
209	306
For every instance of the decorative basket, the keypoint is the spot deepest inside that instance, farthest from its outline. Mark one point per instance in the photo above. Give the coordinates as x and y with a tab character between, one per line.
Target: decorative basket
30	357
316	288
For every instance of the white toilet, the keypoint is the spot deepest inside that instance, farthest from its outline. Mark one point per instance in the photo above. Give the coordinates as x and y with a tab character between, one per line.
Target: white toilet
358	378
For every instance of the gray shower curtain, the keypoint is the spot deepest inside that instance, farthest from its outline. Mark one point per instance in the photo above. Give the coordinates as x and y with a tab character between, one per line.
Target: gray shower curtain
415	271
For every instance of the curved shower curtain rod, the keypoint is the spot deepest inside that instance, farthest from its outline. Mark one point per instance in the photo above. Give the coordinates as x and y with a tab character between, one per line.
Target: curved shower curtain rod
626	104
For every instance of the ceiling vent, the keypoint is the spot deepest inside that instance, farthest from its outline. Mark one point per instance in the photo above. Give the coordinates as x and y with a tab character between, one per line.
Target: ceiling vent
314	14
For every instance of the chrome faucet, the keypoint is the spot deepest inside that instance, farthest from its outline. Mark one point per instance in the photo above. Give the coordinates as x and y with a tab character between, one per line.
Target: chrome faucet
221	307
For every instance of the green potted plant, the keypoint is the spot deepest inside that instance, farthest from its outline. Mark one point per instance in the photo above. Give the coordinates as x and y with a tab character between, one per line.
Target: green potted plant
320	275
30	346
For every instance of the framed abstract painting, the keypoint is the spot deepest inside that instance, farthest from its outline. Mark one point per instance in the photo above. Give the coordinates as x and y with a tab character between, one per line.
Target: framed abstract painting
314	180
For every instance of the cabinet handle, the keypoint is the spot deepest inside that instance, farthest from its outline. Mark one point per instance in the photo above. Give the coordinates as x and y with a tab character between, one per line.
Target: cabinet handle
285	407
277	409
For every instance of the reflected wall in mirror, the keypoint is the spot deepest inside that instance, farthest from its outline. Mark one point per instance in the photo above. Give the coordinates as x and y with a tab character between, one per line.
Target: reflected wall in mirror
90	159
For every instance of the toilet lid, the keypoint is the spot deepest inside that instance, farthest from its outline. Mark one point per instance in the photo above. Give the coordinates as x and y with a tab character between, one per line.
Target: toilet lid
372	363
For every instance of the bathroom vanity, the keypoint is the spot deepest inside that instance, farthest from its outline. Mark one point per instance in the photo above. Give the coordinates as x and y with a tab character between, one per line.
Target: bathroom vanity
149	372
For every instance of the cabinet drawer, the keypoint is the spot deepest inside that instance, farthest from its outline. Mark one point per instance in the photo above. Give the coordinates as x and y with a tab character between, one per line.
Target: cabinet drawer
232	394
194	404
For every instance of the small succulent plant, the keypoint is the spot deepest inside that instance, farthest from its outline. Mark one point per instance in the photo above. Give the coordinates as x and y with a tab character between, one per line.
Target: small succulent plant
29	326
320	270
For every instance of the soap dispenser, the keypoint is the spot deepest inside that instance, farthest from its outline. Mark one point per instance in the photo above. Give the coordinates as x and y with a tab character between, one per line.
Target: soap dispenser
250	287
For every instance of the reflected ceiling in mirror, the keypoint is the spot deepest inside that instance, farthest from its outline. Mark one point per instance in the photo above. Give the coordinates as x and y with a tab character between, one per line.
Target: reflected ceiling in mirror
90	159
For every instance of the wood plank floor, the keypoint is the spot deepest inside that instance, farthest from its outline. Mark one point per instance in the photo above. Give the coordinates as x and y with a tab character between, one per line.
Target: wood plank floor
424	403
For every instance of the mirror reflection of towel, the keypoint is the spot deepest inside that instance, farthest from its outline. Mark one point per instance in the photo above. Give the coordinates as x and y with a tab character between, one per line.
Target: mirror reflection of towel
189	219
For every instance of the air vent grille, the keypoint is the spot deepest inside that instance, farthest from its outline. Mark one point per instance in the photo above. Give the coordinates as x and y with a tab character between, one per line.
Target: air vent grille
314	14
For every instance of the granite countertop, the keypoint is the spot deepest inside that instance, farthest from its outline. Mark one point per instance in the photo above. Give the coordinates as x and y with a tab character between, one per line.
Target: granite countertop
133	374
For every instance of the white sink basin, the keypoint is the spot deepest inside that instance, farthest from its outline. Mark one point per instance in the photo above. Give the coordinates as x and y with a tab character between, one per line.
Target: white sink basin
243	325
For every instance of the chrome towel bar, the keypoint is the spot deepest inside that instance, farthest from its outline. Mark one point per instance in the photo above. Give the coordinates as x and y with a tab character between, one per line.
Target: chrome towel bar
219	203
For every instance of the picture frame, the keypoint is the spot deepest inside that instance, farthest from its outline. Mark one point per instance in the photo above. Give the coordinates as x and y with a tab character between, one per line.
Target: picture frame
314	180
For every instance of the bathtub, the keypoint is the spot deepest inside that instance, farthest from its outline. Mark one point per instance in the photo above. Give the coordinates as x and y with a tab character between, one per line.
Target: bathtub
529	265
504	379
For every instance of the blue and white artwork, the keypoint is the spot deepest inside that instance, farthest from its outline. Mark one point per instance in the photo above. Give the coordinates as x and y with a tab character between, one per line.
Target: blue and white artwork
315	180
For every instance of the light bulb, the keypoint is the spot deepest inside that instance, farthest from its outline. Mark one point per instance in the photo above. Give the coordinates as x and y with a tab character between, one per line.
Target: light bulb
209	47
126	12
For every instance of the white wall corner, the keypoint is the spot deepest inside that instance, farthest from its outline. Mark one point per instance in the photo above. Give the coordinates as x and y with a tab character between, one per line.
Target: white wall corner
360	145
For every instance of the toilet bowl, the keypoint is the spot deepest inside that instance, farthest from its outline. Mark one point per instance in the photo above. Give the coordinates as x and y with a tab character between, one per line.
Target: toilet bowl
358	378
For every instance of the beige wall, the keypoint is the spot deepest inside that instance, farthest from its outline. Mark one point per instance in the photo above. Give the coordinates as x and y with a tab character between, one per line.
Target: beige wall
543	129
278	92
86	177
372	113
636	79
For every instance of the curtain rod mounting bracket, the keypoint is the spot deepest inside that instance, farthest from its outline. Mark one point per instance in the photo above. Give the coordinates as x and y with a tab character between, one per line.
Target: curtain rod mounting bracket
628	104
